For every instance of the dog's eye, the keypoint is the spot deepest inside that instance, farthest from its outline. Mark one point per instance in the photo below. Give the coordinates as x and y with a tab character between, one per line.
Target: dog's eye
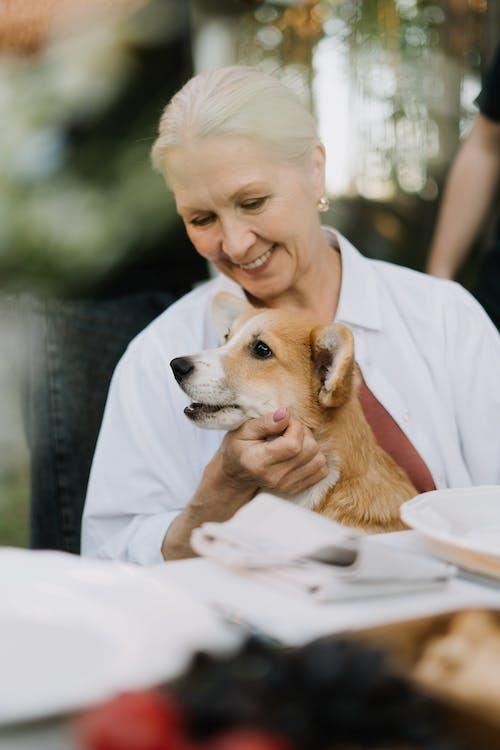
261	350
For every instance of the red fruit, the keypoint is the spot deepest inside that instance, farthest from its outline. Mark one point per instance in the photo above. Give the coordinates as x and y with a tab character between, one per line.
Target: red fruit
250	739
132	721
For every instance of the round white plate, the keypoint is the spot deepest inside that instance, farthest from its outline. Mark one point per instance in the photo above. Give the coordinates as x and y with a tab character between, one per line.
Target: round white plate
73	631
461	525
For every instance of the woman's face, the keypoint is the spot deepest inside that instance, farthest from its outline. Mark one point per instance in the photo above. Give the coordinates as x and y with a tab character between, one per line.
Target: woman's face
253	216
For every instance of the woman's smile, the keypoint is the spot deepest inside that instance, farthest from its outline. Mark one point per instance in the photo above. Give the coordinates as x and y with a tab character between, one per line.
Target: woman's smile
259	264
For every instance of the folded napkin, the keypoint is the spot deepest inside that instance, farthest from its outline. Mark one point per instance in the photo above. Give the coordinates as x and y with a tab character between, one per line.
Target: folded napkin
284	544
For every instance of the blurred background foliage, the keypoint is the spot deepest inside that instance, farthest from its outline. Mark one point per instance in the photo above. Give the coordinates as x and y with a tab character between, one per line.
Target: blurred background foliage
82	84
77	193
392	84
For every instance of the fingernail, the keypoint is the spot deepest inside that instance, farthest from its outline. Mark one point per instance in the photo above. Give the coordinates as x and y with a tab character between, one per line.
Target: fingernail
279	414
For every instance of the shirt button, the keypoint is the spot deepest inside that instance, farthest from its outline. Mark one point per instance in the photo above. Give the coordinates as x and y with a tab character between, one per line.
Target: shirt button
406	416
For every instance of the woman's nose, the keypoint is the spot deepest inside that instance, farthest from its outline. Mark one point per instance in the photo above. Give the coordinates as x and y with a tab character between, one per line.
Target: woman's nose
237	240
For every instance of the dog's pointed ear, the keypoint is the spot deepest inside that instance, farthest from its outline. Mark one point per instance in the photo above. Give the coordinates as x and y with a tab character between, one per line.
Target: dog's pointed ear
225	309
333	356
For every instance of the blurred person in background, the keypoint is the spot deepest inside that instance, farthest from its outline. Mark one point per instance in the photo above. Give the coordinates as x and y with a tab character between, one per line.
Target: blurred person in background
470	190
244	161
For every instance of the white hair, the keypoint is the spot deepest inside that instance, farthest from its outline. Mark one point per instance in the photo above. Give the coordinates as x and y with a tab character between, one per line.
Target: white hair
236	100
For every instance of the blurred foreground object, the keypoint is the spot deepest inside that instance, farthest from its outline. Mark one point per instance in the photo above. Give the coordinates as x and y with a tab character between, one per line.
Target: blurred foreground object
133	721
151	720
459	663
329	694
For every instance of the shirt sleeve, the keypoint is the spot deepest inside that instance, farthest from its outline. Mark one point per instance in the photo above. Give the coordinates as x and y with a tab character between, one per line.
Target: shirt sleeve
473	361
141	476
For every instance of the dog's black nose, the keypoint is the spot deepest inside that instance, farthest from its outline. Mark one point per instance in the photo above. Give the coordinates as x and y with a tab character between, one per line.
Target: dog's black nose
181	366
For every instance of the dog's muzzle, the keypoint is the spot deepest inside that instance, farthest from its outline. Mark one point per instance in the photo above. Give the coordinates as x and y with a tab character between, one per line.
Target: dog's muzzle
181	367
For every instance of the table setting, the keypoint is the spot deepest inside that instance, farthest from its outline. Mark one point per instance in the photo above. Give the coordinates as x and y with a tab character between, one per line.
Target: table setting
74	632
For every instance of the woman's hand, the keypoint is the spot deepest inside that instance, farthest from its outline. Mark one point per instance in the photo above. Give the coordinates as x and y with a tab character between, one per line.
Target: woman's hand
274	452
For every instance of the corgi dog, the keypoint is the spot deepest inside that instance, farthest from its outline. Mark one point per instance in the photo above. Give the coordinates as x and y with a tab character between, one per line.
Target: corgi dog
272	358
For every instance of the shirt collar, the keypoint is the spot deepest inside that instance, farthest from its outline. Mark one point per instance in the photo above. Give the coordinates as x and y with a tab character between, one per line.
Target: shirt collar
359	300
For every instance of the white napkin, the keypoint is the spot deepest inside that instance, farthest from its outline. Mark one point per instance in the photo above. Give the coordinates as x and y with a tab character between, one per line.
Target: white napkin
284	544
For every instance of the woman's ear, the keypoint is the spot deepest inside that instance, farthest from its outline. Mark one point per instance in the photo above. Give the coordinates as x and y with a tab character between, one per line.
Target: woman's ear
333	356
318	165
226	308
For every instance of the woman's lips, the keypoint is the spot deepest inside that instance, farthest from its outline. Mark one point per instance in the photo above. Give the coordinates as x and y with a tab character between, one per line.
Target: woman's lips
259	264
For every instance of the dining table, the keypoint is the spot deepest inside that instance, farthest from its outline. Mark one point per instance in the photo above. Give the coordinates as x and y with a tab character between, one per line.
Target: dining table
167	612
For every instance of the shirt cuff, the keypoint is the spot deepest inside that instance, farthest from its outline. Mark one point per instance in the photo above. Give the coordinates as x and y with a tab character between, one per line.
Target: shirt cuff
139	542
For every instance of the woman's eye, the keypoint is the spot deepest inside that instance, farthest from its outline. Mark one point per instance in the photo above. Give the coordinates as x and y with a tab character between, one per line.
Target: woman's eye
202	221
254	203
261	350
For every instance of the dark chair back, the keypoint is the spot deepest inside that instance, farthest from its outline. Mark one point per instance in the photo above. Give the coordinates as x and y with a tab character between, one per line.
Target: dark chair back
73	347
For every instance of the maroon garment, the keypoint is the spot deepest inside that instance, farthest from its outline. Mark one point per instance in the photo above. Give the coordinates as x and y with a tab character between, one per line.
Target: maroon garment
392	439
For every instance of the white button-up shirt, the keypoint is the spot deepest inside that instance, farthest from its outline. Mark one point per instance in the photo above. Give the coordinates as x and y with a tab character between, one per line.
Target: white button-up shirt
426	349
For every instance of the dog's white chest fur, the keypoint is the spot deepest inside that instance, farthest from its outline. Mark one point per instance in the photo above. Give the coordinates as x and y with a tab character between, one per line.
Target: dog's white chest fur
311	497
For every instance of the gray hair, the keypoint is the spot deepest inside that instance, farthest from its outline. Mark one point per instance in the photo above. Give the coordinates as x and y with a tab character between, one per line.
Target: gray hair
236	100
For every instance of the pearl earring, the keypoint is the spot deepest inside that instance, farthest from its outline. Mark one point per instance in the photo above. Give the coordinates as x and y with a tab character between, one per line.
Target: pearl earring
323	204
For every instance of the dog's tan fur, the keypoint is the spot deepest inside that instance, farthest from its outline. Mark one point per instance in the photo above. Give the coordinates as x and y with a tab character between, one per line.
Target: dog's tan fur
313	372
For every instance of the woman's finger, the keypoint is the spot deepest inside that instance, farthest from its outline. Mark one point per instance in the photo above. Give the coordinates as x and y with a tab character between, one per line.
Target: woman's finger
287	446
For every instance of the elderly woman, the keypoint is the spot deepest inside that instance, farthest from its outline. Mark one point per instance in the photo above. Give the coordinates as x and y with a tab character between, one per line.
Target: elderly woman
247	170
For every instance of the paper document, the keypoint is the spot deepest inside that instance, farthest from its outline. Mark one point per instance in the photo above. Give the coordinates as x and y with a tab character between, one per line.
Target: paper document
283	544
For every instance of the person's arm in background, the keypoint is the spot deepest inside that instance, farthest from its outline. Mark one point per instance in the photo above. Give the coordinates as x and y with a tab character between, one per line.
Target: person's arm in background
470	188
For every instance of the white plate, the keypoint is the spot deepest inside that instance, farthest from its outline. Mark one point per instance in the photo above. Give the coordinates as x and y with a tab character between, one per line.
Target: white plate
74	631
461	525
